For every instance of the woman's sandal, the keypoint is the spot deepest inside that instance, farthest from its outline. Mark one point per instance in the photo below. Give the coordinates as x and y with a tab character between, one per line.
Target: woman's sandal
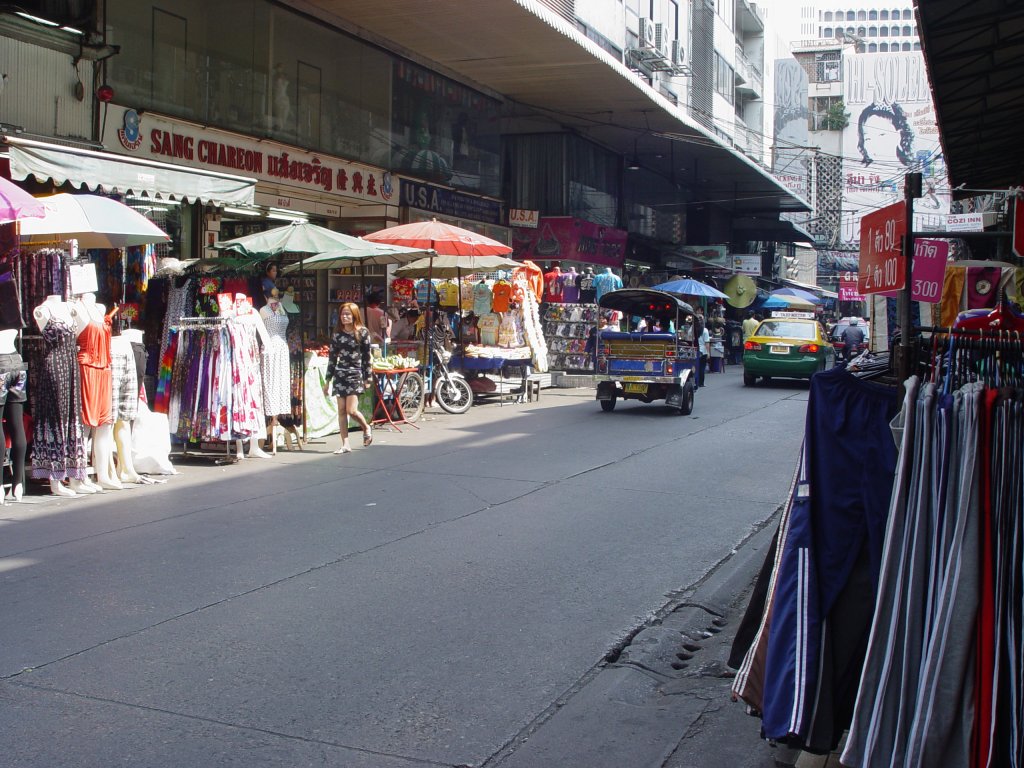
367	439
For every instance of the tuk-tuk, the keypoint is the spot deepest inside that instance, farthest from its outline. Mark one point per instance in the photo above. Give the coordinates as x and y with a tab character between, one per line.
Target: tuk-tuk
647	365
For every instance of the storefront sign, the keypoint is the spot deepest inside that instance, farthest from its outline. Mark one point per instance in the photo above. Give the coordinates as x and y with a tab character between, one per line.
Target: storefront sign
746	263
929	270
563	238
881	256
518	217
965	222
848	289
705	255
447	202
173	141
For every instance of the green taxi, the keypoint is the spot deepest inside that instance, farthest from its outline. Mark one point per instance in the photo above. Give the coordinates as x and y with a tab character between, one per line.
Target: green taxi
786	347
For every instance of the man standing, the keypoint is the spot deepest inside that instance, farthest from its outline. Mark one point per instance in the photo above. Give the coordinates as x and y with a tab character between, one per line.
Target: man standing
749	326
703	347
852	338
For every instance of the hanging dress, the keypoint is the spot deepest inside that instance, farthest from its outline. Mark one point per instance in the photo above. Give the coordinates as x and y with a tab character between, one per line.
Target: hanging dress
58	440
96	374
276	369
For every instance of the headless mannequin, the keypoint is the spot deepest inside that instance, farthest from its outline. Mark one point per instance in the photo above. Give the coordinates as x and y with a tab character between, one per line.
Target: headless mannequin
254	444
123	429
272	307
86	311
54	308
13	411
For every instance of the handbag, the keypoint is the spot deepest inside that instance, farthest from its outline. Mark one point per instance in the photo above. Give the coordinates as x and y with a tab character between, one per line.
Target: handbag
10	302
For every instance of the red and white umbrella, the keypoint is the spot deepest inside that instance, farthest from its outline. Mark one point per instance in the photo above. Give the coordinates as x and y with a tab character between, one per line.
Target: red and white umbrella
444	239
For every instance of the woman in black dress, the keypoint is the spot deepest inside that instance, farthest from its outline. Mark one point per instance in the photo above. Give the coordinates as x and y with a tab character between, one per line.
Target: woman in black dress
348	371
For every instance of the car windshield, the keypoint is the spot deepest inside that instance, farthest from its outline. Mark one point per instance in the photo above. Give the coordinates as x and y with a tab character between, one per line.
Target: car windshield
786	329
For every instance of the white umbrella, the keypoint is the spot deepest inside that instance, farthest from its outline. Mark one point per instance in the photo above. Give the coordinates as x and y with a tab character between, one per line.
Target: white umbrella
452	266
94	221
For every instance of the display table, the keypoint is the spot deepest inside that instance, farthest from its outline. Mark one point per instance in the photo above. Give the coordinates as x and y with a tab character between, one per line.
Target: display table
387	408
495	365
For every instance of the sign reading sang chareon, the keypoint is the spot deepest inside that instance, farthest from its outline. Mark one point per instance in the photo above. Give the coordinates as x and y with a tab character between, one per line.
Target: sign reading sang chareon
168	140
881	255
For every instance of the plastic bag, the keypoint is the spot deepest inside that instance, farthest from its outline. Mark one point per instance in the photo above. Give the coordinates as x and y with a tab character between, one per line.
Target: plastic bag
151	443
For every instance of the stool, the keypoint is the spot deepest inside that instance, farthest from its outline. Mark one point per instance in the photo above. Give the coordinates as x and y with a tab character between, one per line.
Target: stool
532	389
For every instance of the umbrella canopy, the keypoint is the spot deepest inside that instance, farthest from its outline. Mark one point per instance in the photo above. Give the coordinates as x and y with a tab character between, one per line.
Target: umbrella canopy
445	239
94	221
690	287
16	203
297	237
805	296
453	266
359	251
775	301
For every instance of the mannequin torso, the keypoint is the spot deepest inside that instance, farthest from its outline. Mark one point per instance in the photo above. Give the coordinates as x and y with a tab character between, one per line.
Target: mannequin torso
86	310
53	308
7	339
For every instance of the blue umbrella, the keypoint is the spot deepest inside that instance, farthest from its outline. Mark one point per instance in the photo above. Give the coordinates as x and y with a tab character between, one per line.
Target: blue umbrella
798	293
774	302
690	287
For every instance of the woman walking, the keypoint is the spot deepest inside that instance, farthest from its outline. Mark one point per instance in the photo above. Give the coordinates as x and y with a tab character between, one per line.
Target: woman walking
348	367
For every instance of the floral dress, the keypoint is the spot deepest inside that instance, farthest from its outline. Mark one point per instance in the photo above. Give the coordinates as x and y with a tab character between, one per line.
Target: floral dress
348	365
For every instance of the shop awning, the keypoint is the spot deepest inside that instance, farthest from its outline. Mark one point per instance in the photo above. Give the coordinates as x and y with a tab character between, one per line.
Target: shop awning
975	58
103	172
823	292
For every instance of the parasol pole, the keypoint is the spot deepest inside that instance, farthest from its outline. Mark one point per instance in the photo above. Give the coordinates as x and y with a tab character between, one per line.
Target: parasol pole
302	345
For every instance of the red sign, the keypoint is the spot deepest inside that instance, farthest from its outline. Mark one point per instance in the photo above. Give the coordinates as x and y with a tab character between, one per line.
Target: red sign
563	238
1018	227
882	265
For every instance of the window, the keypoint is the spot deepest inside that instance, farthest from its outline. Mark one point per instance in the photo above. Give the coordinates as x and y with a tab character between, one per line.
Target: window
861	16
828	15
884	16
883	48
851	16
872	48
872	31
725	79
906	46
862	32
827	69
849	30
894	31
872	15
883	32
906	31
895	14
907	14
917	47
827	32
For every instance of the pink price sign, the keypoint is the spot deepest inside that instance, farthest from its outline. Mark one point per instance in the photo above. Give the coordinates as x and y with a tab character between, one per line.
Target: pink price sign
929	267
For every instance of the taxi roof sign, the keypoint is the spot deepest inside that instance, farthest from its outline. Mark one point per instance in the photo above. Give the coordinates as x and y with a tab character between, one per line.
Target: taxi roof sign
793	315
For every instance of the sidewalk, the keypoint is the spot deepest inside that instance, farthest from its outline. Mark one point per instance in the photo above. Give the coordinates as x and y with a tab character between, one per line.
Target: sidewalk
664	700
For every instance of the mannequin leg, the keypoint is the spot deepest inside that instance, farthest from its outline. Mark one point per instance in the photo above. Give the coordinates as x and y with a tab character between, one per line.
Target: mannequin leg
76	486
103	457
123	439
271	436
255	452
58	489
14	413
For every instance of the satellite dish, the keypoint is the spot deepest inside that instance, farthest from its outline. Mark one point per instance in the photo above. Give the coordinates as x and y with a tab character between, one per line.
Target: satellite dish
742	291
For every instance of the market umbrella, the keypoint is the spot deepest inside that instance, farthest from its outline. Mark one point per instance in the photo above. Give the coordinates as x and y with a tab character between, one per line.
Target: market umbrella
775	301
444	240
690	287
16	203
94	221
805	296
454	266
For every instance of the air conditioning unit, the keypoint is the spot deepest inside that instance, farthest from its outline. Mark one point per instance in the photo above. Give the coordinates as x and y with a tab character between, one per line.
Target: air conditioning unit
648	35
662	44
678	53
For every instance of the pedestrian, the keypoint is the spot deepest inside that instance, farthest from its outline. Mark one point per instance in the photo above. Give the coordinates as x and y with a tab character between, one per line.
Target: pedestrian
749	326
853	338
703	347
377	321
348	371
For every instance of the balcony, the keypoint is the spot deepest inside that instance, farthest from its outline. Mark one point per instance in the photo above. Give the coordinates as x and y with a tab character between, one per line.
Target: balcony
748	77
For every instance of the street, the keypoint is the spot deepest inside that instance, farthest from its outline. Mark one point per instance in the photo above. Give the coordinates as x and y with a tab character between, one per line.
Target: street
432	600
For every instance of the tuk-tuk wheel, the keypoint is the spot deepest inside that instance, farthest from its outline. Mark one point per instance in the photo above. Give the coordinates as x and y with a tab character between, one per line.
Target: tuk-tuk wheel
686	400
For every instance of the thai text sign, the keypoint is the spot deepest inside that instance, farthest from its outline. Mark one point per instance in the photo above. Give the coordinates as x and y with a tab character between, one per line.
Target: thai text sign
447	202
882	265
929	270
564	238
848	289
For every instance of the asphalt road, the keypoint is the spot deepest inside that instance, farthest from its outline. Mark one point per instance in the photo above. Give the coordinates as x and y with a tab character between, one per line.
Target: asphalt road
433	600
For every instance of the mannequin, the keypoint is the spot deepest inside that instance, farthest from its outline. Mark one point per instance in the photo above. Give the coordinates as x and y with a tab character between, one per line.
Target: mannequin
588	295
570	286
13	380
126	405
606	281
94	362
553	285
275	366
58	440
